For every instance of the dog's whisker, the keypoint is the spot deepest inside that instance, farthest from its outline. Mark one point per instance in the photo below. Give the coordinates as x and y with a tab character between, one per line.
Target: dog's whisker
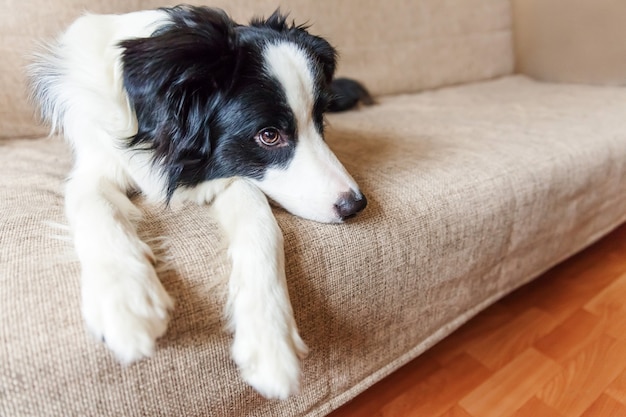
56	225
62	238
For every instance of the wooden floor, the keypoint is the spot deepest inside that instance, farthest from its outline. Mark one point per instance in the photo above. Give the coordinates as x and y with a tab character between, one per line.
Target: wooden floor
554	348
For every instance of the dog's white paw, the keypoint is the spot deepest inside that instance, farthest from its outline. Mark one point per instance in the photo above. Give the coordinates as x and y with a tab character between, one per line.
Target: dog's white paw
269	360
126	308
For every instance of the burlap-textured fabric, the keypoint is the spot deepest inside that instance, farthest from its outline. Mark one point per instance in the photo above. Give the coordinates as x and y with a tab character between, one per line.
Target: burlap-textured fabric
393	45
473	191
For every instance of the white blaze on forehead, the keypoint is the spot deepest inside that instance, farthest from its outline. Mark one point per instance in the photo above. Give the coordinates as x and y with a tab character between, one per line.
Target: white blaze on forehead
290	65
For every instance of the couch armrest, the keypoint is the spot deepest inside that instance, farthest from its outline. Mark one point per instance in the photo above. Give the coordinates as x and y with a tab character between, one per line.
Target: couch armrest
581	41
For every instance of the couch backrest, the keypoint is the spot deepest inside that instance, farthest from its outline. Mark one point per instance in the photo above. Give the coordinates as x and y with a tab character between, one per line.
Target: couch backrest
394	46
23	24
575	41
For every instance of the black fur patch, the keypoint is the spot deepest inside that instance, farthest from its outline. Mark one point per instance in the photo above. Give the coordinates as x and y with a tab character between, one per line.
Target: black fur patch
347	94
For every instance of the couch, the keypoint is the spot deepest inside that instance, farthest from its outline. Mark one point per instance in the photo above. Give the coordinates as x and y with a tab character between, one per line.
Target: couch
479	178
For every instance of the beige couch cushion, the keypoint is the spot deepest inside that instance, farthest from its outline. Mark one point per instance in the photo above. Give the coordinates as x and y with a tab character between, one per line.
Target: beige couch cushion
392	45
473	191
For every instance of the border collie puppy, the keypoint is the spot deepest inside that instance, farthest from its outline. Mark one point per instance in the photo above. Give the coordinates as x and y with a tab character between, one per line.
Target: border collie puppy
185	104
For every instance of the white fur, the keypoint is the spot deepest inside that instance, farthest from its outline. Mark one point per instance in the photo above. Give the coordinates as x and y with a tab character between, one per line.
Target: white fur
267	345
123	301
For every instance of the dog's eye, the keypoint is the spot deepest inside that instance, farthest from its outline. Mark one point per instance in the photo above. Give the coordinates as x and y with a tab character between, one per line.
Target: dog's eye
269	136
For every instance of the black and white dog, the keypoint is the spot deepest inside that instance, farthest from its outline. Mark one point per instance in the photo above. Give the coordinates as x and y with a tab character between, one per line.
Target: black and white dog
185	104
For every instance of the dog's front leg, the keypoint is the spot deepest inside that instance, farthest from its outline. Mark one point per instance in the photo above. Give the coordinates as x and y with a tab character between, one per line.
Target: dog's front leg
267	346
123	301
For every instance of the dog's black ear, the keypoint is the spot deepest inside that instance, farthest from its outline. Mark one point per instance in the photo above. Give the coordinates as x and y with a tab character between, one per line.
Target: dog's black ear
196	49
171	79
347	94
277	21
325	54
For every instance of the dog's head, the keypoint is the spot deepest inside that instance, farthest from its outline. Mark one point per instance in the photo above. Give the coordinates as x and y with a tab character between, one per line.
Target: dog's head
214	99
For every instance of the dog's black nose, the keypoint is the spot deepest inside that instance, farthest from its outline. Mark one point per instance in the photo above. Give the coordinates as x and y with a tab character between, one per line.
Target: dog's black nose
349	204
